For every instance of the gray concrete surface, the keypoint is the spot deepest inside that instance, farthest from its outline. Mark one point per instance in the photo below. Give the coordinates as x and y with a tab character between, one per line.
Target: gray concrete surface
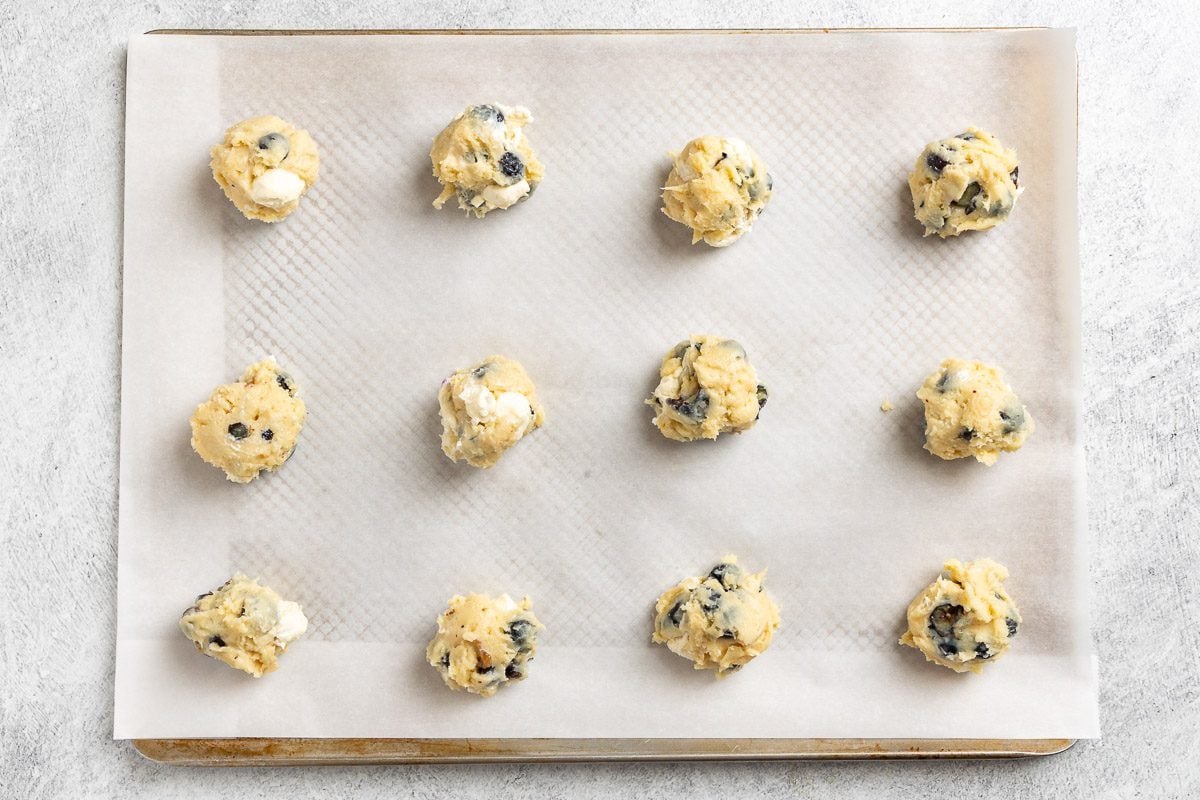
61	110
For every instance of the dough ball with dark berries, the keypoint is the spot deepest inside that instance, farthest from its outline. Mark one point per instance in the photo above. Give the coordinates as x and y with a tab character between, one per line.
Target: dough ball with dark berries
969	182
250	425
484	159
264	165
971	412
964	619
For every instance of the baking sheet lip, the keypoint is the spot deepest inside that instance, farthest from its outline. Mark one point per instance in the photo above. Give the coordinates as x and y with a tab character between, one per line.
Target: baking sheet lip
255	751
561	31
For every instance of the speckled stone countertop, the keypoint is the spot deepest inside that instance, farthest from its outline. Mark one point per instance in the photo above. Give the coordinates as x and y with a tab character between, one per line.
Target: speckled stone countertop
62	81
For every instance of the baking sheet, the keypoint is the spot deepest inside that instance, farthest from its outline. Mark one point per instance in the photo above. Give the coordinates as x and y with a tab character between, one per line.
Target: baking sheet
369	297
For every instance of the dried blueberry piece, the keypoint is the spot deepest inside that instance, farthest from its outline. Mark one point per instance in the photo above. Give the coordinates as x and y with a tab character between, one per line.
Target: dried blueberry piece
710	600
943	382
981	650
216	640
521	631
282	380
761	394
275	144
268	434
446	659
728	634
1013	175
948	648
238	431
1014	420
511	165
513	672
966	137
967	434
726	574
943	619
694	408
969	197
1012	626
936	163
677	613
488	112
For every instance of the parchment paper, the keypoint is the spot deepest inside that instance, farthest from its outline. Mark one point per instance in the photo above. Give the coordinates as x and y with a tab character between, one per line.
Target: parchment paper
370	297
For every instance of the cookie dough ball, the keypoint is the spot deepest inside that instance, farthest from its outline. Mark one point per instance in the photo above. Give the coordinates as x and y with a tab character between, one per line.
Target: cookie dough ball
720	621
706	387
965	183
971	411
483	643
486	409
717	187
484	159
251	425
243	624
265	165
965	618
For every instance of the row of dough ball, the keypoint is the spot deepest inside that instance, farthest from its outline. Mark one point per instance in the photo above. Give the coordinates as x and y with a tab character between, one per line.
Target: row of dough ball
706	387
717	186
720	621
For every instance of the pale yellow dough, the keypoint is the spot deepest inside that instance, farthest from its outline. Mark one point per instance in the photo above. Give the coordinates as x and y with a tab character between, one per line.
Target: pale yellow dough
965	183
721	621
265	165
486	409
244	625
706	387
971	411
483	158
483	643
965	618
251	425
717	187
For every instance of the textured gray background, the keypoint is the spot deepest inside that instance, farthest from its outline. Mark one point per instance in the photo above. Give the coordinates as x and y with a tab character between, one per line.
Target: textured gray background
61	96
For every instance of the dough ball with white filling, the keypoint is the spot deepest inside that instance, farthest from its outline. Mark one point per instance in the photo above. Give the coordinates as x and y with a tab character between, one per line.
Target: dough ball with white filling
483	643
484	159
971	411
964	619
486	409
244	625
250	425
706	387
717	187
265	165
965	183
720	621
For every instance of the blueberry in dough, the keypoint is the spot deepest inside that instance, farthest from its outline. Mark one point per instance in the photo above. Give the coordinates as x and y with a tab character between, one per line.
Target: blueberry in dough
965	183
965	618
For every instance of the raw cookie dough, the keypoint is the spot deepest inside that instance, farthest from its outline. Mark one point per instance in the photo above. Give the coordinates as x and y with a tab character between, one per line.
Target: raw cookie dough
720	621
971	411
717	187
265	165
243	624
251	425
964	619
483	157
484	642
965	183
706	387
486	409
